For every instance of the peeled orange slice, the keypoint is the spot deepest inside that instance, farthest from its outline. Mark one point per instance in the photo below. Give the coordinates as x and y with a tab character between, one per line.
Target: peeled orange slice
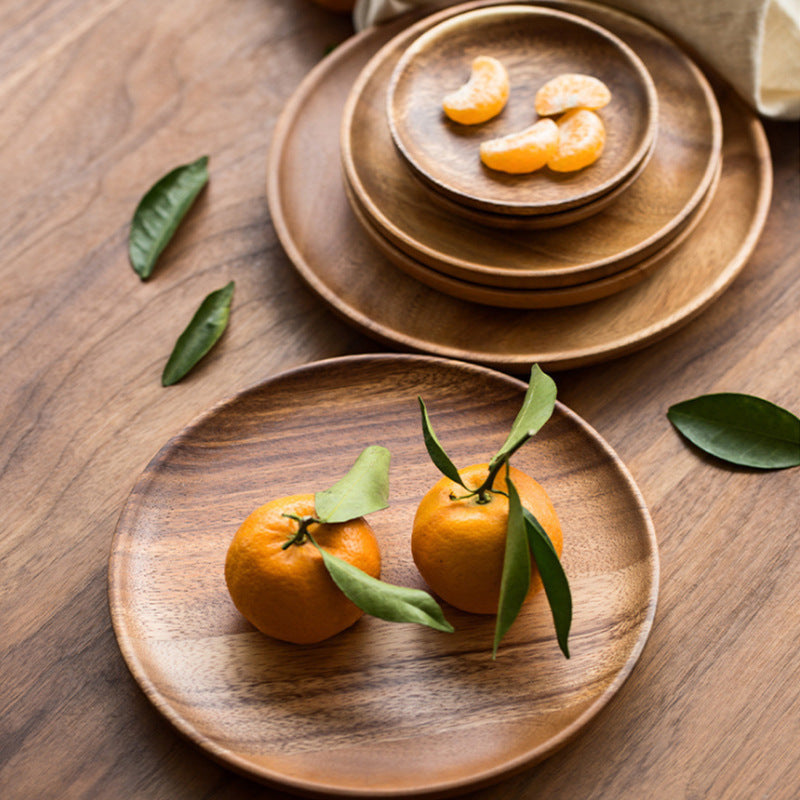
571	90
524	151
482	97
581	136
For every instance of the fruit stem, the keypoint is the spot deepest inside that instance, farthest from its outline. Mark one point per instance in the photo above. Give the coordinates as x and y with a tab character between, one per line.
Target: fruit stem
485	489
302	530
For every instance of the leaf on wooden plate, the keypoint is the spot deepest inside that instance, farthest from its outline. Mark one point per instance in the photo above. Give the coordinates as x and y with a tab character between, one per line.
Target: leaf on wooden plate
363	490
556	585
537	408
516	579
384	600
201	334
741	429
160	212
435	449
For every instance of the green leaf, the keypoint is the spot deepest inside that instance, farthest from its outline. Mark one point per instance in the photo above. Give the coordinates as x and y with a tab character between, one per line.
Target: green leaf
741	429
435	449
516	579
537	408
201	334
363	490
160	212
556	585
384	600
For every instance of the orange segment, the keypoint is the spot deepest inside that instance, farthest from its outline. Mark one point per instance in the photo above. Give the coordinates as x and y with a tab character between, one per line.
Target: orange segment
482	97
571	90
581	136
524	151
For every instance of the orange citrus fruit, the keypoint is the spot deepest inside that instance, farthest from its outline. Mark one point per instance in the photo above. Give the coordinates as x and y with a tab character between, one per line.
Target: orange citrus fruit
459	545
288	593
524	151
571	90
581	137
482	97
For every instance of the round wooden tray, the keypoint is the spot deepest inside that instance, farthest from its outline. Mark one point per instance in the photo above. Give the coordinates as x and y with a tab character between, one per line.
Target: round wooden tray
638	223
529	298
331	252
380	710
534	44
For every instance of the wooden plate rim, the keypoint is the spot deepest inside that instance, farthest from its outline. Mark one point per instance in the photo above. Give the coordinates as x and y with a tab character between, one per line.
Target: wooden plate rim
231	759
508	206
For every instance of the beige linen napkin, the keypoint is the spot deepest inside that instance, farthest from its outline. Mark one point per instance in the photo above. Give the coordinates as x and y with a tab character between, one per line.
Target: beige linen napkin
753	44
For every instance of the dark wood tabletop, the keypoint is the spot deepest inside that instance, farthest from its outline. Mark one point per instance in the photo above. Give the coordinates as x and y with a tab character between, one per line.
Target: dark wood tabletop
98	98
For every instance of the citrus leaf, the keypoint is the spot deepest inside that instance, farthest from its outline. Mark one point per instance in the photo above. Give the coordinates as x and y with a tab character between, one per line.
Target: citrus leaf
384	600
556	585
537	408
201	334
435	449
363	490
516	579
741	429
160	212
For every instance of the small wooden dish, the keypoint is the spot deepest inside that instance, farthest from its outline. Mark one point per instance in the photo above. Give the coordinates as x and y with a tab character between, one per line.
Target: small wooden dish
637	224
380	710
528	298
535	44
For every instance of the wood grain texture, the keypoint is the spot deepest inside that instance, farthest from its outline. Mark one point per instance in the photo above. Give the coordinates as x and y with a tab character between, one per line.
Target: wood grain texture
638	223
394	308
535	45
528	298
333	717
99	99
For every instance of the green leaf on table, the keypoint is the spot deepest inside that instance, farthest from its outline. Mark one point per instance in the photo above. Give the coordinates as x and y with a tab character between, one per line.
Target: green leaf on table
201	334
160	212
435	449
384	600
516	579
741	429
363	490
537	408
554	579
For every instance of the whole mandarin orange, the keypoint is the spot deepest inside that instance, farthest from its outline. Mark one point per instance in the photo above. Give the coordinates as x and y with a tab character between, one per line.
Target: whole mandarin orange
458	543
287	592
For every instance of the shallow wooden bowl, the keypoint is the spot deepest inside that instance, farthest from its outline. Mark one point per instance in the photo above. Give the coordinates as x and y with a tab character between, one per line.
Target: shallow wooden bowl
535	44
637	224
380	710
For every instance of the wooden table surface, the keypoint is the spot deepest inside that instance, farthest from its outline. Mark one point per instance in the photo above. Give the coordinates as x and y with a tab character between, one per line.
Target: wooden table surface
98	98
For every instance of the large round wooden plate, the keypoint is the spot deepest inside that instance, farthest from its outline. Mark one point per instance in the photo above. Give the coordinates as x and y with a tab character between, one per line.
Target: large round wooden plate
535	44
326	244
380	710
639	222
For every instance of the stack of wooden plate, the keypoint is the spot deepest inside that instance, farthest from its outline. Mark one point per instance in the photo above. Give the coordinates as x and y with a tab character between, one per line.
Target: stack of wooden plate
416	184
403	239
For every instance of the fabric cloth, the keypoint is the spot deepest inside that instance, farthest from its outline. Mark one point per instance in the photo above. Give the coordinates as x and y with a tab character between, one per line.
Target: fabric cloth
753	44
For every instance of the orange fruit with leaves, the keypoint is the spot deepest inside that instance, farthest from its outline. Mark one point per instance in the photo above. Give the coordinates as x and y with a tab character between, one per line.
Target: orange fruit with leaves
524	151
286	592
581	138
458	540
571	90
482	97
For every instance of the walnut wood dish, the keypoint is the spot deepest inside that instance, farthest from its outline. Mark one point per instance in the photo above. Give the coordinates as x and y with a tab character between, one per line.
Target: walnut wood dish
637	224
330	251
380	710
535	45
